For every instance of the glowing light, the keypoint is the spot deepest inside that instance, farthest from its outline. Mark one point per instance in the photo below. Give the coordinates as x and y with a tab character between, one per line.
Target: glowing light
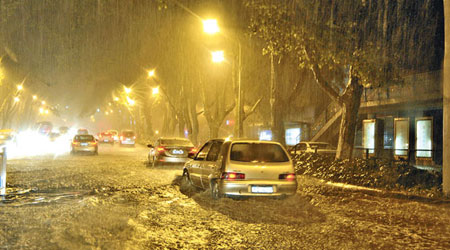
127	90
19	87
41	110
116	99
151	73
217	56
46	111
210	26
111	111
43	102
106	113
156	132
35	97
130	101
155	91
16	99
109	104
98	110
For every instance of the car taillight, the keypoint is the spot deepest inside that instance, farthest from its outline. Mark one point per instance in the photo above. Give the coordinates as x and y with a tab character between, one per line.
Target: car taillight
160	149
232	176
93	142
288	177
193	151
134	137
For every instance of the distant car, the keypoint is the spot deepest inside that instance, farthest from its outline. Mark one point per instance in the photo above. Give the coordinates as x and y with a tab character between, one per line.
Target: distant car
53	136
313	147
63	130
236	168
106	137
84	143
115	134
82	131
127	137
170	150
44	128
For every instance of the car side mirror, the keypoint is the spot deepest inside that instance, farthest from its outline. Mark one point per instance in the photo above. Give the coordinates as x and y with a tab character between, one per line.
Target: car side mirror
149	145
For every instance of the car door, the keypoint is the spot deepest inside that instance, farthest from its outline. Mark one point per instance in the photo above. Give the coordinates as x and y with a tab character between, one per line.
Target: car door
195	166
210	166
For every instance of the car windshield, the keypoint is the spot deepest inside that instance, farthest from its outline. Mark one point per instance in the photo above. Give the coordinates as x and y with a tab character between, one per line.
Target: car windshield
258	152
128	133
84	138
176	142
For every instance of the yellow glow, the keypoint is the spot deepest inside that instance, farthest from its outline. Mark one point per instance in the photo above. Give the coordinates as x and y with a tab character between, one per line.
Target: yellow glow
116	99
217	56
130	101
111	111
155	91
19	87
41	110
151	73
43	102
210	26
46	111
156	132
109	104
34	97
106	113
16	99
127	90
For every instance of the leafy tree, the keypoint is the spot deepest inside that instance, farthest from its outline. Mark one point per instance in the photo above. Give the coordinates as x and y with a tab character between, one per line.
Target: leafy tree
356	41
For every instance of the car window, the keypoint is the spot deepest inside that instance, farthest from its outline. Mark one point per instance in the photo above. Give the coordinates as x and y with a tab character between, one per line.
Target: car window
214	151
84	138
258	152
203	152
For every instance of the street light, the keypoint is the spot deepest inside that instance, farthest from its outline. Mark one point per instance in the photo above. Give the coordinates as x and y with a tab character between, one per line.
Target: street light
116	99
19	87
16	99
217	56
43	102
155	91
127	90
210	26
151	73
35	97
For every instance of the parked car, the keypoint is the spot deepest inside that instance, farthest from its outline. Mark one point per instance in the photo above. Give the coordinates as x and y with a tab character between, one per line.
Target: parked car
84	143
236	168
170	150
106	137
82	131
313	147
127	137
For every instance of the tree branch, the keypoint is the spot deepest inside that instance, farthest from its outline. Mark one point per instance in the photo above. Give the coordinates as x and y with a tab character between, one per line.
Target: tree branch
252	110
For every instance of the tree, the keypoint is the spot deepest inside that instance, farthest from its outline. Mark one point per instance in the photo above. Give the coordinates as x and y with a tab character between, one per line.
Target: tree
446	83
347	40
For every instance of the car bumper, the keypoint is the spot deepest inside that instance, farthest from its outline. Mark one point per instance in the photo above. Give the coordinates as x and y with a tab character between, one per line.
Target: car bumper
84	149
244	188
180	160
127	142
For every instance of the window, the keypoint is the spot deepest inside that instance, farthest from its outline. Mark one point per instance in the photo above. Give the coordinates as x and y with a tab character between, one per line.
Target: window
401	136
292	136
203	152
214	151
258	152
369	135
424	137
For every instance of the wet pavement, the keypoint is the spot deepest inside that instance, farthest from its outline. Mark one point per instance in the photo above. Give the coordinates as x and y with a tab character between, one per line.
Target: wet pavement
115	201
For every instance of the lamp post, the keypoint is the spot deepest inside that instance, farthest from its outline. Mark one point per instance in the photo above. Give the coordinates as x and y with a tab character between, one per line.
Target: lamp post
211	27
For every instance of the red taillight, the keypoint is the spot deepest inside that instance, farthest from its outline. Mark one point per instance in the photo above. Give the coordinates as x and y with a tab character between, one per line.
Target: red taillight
160	149
232	176
193	151
288	177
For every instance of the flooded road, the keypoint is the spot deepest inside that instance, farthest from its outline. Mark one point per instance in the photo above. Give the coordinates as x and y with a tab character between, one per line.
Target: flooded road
115	201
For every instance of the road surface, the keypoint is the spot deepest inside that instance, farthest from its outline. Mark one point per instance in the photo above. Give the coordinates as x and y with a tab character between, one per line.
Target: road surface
115	201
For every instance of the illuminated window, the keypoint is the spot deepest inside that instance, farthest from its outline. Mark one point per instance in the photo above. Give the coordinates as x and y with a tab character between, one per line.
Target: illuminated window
401	136
424	137
369	135
292	136
265	135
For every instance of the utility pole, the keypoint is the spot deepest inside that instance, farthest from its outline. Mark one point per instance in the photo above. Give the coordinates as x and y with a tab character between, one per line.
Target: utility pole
446	103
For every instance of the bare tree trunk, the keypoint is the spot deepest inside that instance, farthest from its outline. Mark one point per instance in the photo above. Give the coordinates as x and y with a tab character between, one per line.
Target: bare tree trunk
446	104
351	100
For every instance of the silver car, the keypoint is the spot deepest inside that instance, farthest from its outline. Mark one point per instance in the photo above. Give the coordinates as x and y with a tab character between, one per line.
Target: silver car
84	143
170	150
242	168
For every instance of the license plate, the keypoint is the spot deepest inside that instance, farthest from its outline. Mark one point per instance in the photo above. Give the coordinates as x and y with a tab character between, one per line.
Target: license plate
177	152
84	144
262	189
106	141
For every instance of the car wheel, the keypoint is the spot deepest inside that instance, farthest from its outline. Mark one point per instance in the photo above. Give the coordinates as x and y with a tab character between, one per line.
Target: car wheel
215	191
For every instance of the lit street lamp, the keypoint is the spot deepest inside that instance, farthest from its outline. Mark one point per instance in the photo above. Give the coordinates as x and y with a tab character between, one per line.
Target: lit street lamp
16	99
210	26
155	91
151	73
127	90
35	97
19	87
217	56
43	102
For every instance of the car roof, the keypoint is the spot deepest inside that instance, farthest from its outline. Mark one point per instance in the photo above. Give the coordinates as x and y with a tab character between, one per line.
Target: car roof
173	138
